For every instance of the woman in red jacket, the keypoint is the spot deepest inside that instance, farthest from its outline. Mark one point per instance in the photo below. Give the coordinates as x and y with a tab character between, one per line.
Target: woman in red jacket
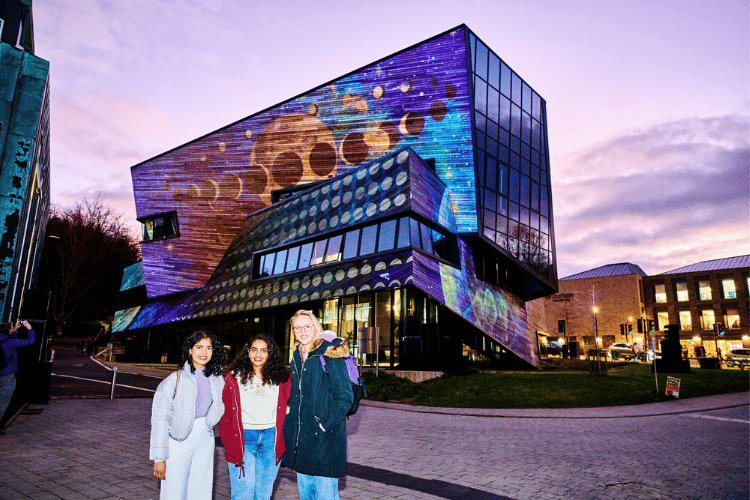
255	396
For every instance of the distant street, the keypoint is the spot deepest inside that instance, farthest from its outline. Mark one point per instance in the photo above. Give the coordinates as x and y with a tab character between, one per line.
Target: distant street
77	376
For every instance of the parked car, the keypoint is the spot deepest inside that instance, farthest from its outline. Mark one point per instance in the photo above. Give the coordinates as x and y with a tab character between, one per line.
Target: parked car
617	351
737	356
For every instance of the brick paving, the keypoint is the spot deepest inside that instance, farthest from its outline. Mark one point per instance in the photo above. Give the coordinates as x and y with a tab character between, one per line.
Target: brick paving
684	449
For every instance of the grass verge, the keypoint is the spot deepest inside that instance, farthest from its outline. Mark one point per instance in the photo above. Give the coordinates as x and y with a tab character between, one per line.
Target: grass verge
629	384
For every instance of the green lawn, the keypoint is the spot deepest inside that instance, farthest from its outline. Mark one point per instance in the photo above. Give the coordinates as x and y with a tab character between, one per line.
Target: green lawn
626	384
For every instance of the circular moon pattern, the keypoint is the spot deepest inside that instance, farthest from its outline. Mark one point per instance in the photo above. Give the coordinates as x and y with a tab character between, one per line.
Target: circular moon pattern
411	124
378	92
438	110
354	149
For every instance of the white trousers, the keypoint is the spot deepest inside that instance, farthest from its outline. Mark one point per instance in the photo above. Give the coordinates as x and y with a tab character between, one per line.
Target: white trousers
190	466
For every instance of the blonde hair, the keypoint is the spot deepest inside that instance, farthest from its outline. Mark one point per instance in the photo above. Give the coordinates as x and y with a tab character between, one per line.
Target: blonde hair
309	314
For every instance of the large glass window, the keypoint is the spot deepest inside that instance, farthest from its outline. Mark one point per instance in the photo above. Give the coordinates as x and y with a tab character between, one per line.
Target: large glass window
292	259
660	293
351	244
160	227
707	319
681	291
319	252
704	290
663	320
732	319
305	255
333	252
685	321
426	238
369	238
403	232
280	262
387	236
728	288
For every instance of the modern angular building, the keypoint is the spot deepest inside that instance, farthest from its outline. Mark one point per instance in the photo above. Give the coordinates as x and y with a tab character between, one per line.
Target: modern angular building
24	156
409	199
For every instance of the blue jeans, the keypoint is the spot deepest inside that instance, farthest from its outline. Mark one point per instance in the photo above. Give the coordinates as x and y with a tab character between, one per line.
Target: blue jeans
317	487
7	386
260	466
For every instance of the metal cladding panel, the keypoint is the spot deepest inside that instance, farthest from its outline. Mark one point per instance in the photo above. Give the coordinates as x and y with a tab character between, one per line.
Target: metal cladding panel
375	191
417	98
495	312
430	197
608	270
132	276
243	295
739	262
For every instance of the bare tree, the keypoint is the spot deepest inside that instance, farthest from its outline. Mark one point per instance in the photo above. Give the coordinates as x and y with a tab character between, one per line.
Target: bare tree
86	261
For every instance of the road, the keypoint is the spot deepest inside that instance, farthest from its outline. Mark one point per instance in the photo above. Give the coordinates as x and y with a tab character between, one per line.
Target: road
77	376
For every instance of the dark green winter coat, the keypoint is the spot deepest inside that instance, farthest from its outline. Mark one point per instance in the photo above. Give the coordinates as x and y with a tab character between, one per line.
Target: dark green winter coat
318	398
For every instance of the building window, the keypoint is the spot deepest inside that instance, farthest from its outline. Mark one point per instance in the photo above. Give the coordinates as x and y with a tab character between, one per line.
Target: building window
685	321
704	290
660	293
727	286
708	320
160	227
663	319
681	291
375	238
732	318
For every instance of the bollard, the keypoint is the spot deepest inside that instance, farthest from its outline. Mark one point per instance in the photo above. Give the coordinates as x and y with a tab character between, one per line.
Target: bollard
114	379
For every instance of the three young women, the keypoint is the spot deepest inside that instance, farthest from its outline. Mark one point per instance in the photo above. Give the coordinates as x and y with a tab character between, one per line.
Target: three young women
187	405
255	397
315	428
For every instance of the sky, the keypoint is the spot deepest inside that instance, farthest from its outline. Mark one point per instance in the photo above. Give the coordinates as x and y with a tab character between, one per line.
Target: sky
648	102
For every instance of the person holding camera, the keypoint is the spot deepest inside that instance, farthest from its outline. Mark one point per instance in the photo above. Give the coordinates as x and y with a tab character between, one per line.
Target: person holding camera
9	345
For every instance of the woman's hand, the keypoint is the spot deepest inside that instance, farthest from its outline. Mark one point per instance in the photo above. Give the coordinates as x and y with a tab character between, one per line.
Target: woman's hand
160	470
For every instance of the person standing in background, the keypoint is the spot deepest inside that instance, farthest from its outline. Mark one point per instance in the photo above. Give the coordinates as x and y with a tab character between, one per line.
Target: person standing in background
9	345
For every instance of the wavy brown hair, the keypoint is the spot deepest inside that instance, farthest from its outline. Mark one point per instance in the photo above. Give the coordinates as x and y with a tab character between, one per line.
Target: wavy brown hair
273	372
215	365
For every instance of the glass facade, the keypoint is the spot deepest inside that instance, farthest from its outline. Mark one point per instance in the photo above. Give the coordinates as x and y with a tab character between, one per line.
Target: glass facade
512	163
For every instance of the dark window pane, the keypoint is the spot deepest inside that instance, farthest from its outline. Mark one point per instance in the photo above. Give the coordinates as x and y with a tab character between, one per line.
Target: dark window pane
535	198
536	133
489	199
503	154
536	106
369	238
480	96
319	252
426	238
480	162
333	252
525	190
515	144
291	259
543	208
516	92
491	173
515	211
481	121
526	104
504	79
387	235
504	118
489	219
514	191
268	265
491	146
305	255
493	103
502	224
403	232
515	120
502	205
280	262
351	243
502	179
481	67
544	224
526	127
441	244
492	130
415	239
493	74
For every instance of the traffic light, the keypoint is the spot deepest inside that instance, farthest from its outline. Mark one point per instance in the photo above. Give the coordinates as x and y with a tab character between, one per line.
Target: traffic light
622	329
640	326
650	325
720	328
630	328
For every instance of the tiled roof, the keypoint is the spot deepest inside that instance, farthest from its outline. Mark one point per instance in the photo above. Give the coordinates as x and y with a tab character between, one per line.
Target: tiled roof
714	265
621	269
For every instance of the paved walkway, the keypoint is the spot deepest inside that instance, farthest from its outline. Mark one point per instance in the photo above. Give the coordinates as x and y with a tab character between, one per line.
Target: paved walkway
684	449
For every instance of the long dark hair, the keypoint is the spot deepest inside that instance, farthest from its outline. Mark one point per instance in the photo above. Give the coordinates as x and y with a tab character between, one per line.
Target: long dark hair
274	371
216	364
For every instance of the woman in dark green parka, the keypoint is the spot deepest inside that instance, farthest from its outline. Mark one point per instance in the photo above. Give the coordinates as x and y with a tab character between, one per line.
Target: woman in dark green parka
315	428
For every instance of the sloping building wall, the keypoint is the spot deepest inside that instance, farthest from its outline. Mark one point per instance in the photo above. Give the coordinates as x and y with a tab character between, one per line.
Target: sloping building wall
24	173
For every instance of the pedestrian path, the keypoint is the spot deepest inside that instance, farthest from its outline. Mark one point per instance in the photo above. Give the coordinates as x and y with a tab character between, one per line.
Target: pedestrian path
98	449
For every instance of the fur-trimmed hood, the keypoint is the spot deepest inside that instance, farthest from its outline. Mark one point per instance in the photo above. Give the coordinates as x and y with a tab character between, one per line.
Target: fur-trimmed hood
336	347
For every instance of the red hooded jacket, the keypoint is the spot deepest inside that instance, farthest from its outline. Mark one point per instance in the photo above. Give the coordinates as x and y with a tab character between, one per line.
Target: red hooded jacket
230	425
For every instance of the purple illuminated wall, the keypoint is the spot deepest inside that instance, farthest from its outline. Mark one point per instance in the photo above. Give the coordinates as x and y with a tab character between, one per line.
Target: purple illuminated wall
418	98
